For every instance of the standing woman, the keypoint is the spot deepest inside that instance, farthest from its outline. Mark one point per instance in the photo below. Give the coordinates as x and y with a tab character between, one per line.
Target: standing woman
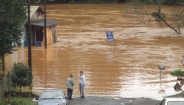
82	83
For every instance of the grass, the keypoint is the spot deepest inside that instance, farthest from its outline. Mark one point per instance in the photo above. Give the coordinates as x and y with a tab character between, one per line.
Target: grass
177	72
16	98
17	101
24	89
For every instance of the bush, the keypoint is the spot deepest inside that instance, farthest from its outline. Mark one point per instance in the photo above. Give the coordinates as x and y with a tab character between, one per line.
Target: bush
1	64
17	101
1	76
177	72
23	89
21	75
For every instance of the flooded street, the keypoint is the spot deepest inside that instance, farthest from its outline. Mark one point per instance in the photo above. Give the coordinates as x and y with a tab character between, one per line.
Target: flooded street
127	67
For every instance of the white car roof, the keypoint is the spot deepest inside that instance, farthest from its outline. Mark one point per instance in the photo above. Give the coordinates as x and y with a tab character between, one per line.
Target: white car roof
174	99
53	89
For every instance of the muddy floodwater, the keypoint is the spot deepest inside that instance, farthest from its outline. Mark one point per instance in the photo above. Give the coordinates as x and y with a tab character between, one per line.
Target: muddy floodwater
127	67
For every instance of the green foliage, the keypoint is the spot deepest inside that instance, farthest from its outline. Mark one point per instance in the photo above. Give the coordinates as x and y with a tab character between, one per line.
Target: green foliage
91	1
21	75
17	89
173	2
11	22
166	2
1	76
0	64
177	72
17	101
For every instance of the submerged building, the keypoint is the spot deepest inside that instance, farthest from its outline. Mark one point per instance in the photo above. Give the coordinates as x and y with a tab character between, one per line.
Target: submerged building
37	29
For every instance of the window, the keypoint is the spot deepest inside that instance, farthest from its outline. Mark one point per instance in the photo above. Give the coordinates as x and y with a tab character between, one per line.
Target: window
51	94
175	103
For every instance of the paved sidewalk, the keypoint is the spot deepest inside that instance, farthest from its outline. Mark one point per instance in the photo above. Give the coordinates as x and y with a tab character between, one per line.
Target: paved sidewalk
94	100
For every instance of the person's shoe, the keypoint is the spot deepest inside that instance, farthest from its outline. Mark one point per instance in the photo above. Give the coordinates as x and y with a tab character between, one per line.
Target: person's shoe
82	96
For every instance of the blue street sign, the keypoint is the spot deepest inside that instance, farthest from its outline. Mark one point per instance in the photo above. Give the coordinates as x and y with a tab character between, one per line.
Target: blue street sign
110	37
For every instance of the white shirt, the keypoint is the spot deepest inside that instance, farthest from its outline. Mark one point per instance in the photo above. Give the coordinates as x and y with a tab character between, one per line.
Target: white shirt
82	80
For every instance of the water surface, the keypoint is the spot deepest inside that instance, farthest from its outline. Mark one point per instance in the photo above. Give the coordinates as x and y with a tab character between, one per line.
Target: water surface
127	67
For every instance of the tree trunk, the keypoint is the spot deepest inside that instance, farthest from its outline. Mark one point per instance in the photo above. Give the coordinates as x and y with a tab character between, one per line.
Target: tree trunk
177	31
3	63
20	88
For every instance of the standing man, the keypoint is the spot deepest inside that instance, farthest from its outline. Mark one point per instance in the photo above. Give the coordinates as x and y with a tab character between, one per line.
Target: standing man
69	85
82	83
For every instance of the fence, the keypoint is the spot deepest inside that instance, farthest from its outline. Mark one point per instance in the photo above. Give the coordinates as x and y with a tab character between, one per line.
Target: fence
4	86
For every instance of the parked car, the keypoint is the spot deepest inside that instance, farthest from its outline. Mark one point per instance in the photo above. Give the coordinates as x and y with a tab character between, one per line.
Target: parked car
52	97
172	101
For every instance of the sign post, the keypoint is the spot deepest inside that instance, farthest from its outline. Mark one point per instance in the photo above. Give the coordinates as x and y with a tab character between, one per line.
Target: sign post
161	69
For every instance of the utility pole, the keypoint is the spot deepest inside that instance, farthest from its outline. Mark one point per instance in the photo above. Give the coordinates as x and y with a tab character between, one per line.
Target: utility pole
29	36
45	22
45	30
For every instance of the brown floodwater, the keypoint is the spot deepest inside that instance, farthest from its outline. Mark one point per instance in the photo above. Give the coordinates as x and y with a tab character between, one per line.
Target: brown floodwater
127	67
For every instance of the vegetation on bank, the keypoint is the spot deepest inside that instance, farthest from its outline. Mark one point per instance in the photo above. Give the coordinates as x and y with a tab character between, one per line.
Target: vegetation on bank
17	101
1	74
177	72
165	2
174	19
15	97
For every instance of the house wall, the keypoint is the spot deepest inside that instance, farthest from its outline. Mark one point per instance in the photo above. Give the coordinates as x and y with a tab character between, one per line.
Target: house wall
37	15
33	35
50	38
23	38
53	29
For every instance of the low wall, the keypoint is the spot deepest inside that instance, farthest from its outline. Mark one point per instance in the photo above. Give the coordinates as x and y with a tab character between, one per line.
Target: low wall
4	86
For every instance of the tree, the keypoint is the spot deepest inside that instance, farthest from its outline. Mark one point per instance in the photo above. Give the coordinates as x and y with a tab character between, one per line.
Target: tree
177	16
21	75
12	18
160	16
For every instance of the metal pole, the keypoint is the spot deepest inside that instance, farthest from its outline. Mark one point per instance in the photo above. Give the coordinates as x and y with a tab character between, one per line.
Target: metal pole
29	36
45	30
160	78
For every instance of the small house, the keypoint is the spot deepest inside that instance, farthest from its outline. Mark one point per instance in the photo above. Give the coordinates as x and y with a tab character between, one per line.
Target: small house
37	29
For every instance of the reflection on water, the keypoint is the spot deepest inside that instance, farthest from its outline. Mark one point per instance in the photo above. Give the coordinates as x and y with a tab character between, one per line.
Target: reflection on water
127	67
